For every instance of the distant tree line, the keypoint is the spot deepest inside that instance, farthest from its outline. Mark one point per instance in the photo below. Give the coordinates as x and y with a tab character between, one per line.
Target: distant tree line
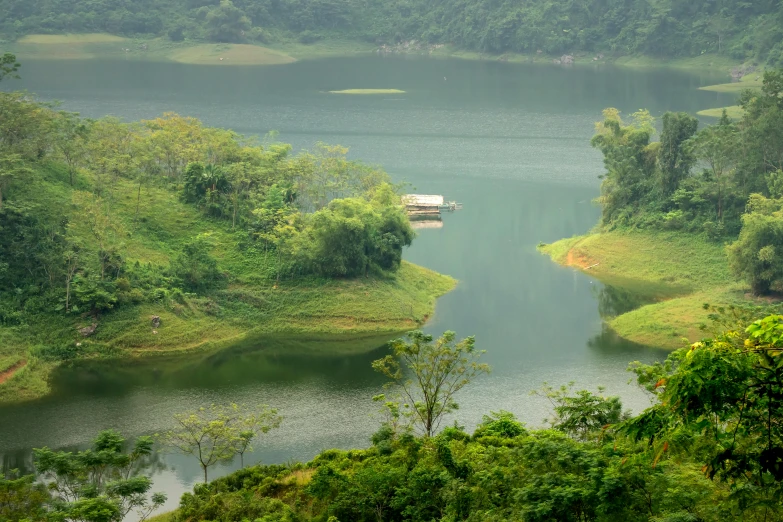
665	28
724	181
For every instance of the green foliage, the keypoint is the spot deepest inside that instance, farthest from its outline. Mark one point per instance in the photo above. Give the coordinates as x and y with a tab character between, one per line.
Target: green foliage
740	30
219	432
440	370
351	237
101	484
9	66
22	498
757	256
195	268
655	185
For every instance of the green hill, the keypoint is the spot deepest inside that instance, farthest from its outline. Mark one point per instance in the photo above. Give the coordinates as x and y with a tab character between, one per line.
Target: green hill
120	244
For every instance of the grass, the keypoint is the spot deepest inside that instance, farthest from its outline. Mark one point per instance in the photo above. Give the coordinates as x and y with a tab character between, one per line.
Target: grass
163	517
704	61
369	91
749	81
230	54
679	272
67	39
734	112
286	50
251	305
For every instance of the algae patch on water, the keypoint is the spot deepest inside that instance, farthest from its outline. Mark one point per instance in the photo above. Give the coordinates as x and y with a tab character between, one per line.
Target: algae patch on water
369	91
735	112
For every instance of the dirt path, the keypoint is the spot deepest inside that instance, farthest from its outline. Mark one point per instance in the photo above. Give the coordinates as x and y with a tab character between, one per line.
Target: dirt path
4	376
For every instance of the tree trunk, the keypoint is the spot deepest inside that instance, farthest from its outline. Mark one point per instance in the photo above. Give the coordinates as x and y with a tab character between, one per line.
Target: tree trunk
205	473
138	201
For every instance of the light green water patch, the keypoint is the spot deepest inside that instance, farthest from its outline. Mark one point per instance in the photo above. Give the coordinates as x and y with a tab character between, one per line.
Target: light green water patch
751	81
369	91
734	112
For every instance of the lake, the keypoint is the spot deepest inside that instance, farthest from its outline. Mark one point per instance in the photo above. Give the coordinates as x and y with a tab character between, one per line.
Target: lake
508	141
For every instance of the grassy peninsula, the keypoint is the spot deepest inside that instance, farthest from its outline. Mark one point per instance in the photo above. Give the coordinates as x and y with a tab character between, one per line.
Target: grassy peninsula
686	220
134	239
675	272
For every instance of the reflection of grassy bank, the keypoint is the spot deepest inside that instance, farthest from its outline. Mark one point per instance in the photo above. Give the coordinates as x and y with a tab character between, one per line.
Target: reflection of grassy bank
254	358
680	272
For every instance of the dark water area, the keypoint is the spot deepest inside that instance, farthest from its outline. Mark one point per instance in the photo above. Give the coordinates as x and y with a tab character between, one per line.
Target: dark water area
509	142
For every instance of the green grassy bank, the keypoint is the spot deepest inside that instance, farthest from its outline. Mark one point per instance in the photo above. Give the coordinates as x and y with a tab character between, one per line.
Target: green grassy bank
251	304
100	45
676	272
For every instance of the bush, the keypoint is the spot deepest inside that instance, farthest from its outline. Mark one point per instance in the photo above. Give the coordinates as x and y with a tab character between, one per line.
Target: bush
194	268
63	352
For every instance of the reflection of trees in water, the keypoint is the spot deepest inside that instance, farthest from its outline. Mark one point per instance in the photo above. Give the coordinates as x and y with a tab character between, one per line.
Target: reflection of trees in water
22	459
608	342
614	301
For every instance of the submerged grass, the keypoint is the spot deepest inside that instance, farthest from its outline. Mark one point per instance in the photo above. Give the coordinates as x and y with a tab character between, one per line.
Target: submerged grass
735	112
368	91
230	54
679	271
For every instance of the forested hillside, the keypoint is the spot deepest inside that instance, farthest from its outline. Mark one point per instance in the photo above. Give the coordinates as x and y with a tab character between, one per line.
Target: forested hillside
663	28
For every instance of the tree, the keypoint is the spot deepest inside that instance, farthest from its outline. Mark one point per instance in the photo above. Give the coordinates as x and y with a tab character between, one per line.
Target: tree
195	267
9	66
22	498
227	23
757	255
71	135
715	146
218	433
629	159
675	159
254	425
102	483
720	400
584	414
12	166
440	369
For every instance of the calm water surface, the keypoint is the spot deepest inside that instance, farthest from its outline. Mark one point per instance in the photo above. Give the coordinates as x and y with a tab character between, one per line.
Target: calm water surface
511	142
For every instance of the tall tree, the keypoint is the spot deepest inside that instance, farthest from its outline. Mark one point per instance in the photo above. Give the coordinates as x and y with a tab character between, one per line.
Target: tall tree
439	370
675	158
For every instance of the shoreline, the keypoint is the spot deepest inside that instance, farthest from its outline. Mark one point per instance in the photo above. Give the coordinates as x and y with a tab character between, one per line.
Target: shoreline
97	46
670	292
122	339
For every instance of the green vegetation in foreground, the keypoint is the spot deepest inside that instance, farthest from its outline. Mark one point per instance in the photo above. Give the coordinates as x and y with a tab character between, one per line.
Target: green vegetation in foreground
369	91
218	238
734	112
692	272
704	450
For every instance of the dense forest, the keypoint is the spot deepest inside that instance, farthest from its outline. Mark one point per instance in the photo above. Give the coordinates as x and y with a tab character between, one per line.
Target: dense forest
724	181
664	28
709	448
